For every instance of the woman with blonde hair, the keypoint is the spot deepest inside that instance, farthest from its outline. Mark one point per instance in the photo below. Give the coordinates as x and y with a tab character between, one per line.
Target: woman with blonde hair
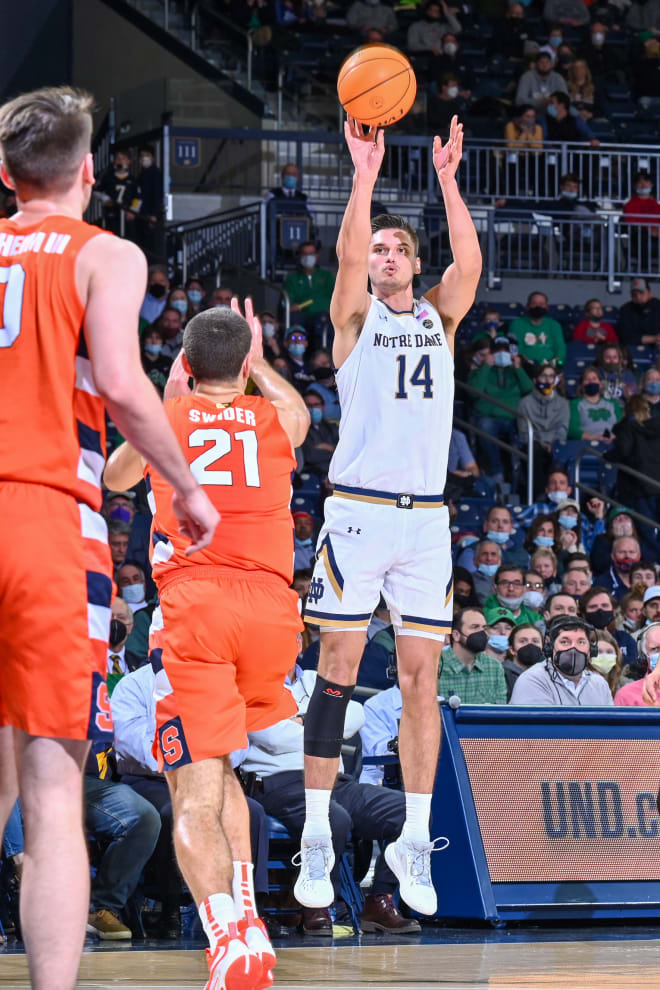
608	662
581	87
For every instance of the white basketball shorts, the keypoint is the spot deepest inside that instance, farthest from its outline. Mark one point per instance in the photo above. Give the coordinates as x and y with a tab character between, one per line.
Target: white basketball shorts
374	541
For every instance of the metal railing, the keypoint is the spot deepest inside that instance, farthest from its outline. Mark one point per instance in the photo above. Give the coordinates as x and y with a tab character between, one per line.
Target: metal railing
527	455
588	451
233	237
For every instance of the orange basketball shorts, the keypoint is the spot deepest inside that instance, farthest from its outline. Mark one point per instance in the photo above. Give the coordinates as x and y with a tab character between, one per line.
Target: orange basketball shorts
230	639
55	592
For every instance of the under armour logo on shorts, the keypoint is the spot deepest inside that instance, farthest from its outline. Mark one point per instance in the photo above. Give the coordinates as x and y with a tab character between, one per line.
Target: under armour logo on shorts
404	502
316	590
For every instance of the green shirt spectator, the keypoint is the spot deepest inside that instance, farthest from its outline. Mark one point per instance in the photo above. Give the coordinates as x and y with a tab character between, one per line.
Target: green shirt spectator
539	337
507	384
309	287
525	613
592	413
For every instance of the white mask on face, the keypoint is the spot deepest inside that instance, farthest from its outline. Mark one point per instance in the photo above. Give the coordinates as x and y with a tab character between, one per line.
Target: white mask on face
452	92
308	260
597	39
450	48
133	593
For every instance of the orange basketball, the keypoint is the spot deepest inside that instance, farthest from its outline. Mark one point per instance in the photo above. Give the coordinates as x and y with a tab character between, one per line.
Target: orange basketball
377	85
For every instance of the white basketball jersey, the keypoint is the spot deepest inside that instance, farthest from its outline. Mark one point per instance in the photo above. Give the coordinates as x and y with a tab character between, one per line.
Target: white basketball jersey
396	391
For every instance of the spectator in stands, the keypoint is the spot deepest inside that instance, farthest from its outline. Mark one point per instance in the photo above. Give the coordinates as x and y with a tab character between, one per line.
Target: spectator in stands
510	594
502	378
544	562
564	677
119	193
631	610
643	209
593	414
637	445
289	188
309	287
152	201
646	72
120	660
295	343
543	533
525	649
271	335
560	603
572	13
498	528
549	415
304	548
649	651
462	467
492	324
536	85
320	365
570	535
535	593
118	537
557	488
321	440
178	299
158	287
171	326
569	200
593	329
540	338
464	590
500	624
465	667
554	42
447	103
452	62
129	827
598	607
575	583
221	297
364	15
524	132
276	756
131	582
578	561
155	364
510	34
426	34
650	390
643	573
196	294
592	519
487	561
619	523
651	604
620	382
626	551
609	661
562	125
601	59
581	89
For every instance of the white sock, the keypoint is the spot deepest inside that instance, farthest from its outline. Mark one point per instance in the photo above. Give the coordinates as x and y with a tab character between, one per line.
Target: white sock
418	813
317	812
217	913
243	887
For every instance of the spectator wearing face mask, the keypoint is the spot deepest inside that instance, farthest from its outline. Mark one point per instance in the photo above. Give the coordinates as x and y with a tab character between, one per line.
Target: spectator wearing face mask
549	414
447	103
119	193
270	335
500	625
593	415
637	445
642	211
152	202
535	592
156	365
320	365
544	562
562	123
593	329
612	366
309	287
649	652
464	590
295	344
170	324
543	534
609	662
365	15
564	677
601	58
498	528
631	610
568	519
639	319
525	649
557	487
321	439
131	582
426	34
598	607
465	667
304	547
451	62
510	594
626	551
536	85
289	187
510	34
503	378
540	338
524	132
196	295
649	388
178	299
120	661
158	287
486	561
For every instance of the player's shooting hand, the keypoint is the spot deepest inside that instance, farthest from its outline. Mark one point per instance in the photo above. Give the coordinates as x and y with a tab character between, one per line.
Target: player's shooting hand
446	159
177	381
197	519
257	349
650	689
367	148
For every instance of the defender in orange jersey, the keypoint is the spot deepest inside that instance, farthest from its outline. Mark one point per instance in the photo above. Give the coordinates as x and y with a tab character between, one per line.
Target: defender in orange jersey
68	351
231	620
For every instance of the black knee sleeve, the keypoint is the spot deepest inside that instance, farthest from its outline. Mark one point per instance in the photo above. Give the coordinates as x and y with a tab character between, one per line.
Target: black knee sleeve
324	719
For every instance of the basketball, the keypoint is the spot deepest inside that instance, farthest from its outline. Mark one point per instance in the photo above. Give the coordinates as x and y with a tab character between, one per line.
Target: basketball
377	85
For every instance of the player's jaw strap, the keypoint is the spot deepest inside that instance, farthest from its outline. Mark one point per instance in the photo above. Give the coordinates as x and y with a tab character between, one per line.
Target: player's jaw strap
402	500
324	719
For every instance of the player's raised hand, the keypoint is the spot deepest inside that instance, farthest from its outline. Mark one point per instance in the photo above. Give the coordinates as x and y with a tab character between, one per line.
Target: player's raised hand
177	382
367	148
651	685
197	519
446	158
254	323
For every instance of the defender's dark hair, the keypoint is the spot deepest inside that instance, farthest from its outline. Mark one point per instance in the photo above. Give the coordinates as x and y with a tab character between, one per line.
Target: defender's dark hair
390	221
216	343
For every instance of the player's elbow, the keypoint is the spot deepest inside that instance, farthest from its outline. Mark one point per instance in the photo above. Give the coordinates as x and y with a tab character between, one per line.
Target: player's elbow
303	422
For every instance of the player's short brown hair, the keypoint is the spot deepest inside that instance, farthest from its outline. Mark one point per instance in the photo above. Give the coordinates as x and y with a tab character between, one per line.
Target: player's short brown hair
44	136
216	343
390	221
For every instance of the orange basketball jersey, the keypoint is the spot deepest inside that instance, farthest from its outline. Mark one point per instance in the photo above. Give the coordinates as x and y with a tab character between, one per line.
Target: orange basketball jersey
52	419
243	459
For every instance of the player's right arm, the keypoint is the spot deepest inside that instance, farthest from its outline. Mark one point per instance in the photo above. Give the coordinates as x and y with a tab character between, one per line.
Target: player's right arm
111	279
125	468
350	299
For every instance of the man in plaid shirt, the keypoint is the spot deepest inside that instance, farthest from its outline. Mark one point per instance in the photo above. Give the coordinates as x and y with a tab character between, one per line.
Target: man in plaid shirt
465	669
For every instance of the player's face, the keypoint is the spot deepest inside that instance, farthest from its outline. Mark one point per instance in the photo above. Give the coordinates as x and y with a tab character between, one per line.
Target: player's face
392	260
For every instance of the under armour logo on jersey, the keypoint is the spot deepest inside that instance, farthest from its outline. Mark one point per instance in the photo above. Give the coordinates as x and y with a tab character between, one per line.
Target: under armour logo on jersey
316	590
351	529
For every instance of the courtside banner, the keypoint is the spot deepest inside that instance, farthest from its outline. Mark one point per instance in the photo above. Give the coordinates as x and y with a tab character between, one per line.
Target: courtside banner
553	810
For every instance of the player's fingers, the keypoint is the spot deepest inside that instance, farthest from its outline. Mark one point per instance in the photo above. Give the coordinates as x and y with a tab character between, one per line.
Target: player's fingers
202	539
235	305
381	139
249	310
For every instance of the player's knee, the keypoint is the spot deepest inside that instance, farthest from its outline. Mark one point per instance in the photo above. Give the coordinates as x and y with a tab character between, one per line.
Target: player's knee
324	719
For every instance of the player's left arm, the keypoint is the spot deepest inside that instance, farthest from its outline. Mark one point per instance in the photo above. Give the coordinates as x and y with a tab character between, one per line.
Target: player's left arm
125	468
454	294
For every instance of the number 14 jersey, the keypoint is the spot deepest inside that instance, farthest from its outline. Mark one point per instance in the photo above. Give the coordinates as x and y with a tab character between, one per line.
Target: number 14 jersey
396	391
242	457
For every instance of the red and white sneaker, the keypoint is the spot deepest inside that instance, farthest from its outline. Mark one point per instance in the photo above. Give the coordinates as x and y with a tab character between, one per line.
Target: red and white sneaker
255	935
233	966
